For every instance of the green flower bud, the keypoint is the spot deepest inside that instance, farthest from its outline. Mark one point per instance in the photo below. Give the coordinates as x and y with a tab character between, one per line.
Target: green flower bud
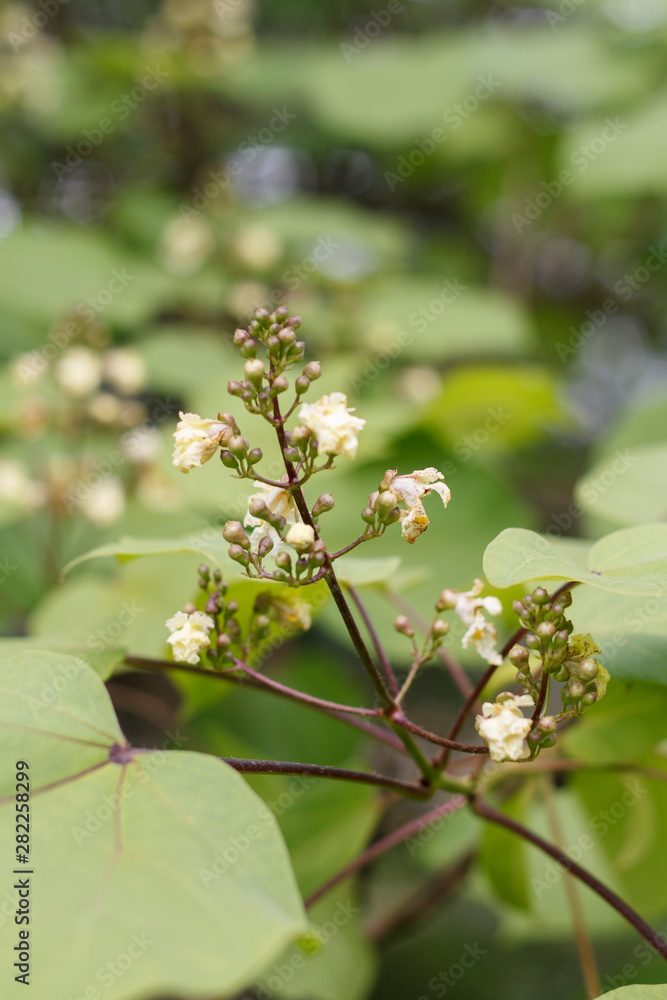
284	562
368	515
238	446
261	315
301	435
240	336
204	571
254	456
546	630
239	555
519	657
265	546
228	460
532	641
301	385
234	388
248	348
312	370
385	502
589	698
262	623
518	608
254	371
439	628
292	454
540	596
279	384
294	322
234	533
561	639
287	336
387	480
393	516
547	724
588	669
259	508
223	641
323	503
549	741
273	344
447	600
576	689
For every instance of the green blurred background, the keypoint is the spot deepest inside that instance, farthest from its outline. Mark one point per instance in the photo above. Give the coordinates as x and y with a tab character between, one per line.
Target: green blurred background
465	203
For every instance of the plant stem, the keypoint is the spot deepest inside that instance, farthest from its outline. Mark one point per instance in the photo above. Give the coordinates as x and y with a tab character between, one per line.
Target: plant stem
582	937
542	697
268	682
442	741
143	663
386	843
326	771
621	907
375	638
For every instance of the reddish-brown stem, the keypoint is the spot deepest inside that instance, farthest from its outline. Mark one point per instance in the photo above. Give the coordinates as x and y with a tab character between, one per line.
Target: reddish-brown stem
375	638
348	548
621	907
326	771
309	699
439	740
541	698
386	843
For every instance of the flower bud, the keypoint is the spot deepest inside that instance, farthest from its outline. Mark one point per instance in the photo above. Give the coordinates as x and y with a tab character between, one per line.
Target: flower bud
532	641
239	555
561	674
234	533
323	503
294	321
259	508
279	384
393	516
273	344
301	436
576	689
292	454
189	608
284	562
561	639
519	657
240	336
540	596
234	388
402	624
301	385
549	741
287	336
385	502
254	456
439	628
588	669
228	460
312	370
238	446
248	348
265	546
300	537
518	608
546	630
368	515
254	371
547	724
223	641
387	479
590	698
204	571
447	600
261	315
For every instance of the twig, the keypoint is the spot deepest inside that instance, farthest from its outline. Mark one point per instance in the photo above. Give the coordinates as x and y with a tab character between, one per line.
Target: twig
327	771
385	844
621	907
375	638
442	741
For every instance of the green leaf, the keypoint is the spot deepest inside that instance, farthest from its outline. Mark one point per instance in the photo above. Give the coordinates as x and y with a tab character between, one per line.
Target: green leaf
630	561
214	548
639	993
623	727
627	488
135	852
366	572
101	660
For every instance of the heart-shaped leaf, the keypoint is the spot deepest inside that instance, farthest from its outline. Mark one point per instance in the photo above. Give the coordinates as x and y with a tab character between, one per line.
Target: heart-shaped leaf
631	561
151	872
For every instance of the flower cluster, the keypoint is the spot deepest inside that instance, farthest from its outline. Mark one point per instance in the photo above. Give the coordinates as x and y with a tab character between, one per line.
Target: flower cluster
470	608
503	726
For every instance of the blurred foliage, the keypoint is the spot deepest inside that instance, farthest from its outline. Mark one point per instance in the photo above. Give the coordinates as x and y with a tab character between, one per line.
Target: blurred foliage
466	205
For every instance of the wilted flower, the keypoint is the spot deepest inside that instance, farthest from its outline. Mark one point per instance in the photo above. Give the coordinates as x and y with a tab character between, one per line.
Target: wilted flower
190	635
410	489
196	440
79	371
502	726
105	503
333	424
482	634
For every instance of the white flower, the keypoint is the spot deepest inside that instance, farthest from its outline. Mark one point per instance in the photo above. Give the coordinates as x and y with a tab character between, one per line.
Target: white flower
190	635
410	489
105	503
482	634
332	423
126	370
142	444
196	440
16	486
300	537
281	504
186	245
79	371
502	726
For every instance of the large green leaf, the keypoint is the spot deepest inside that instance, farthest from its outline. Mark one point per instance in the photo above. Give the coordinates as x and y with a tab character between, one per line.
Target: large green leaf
164	865
628	487
639	993
209	543
630	561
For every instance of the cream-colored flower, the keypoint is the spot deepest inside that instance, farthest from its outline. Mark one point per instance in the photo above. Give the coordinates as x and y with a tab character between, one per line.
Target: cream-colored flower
196	440
79	371
189	635
333	424
502	726
281	504
300	537
469	603
125	369
105	503
186	245
482	634
16	486
410	489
